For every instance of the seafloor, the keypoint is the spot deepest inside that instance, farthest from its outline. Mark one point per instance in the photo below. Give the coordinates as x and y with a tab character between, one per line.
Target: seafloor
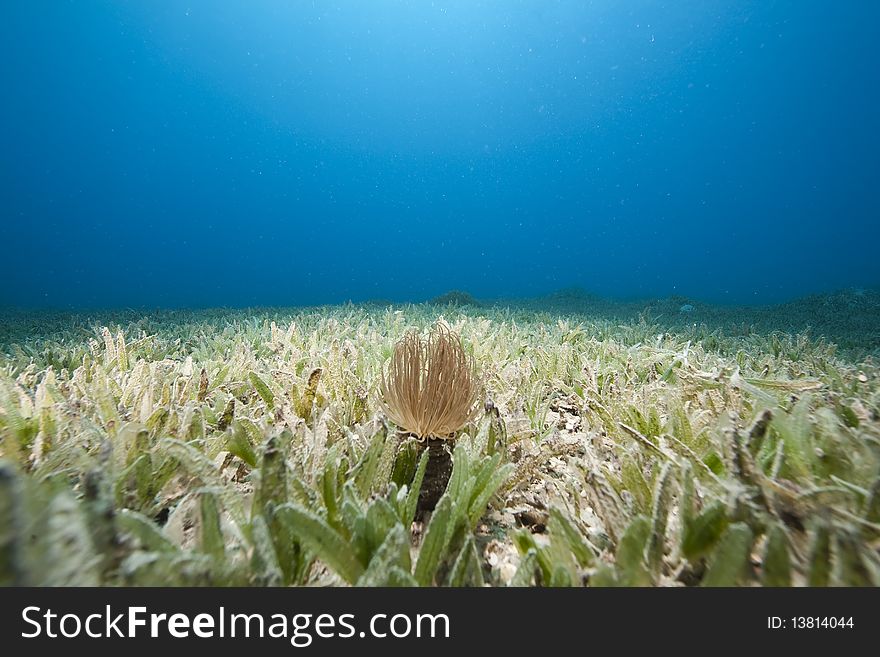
646	443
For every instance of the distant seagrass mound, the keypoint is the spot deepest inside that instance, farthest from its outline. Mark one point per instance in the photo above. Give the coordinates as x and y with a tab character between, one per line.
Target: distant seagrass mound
455	298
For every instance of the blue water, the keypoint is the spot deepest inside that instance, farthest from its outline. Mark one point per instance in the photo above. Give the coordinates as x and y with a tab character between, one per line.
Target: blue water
207	153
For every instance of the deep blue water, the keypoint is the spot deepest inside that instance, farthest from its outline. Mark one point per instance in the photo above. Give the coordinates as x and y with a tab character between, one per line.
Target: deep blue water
206	152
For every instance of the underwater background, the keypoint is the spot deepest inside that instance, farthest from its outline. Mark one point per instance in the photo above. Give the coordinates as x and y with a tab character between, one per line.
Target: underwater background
212	153
612	268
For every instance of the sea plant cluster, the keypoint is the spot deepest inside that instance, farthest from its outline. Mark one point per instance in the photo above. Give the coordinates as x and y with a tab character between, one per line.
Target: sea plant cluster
259	447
